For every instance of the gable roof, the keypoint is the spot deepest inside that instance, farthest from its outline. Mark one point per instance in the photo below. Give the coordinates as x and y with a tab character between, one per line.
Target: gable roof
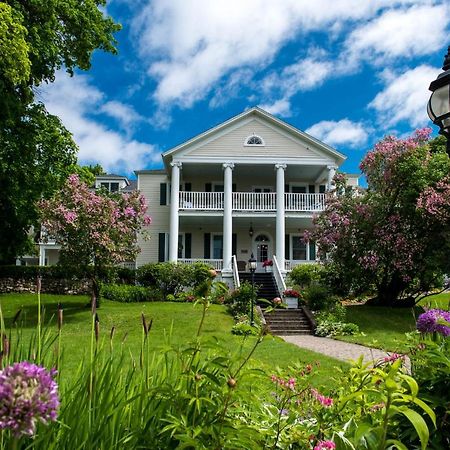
255	112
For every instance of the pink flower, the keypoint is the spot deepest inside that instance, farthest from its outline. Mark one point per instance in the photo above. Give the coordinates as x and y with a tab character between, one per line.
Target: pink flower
325	445
129	211
325	401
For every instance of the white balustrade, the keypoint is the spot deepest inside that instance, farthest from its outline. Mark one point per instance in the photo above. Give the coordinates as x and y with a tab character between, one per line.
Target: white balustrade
201	201
251	201
215	263
304	202
236	280
279	279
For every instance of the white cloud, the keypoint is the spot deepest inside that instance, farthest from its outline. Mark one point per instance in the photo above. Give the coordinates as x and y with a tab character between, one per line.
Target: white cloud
405	97
126	115
342	132
189	46
73	100
280	107
404	32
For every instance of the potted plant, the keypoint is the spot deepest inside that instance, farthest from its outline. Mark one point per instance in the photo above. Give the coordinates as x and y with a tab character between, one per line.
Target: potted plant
291	297
267	264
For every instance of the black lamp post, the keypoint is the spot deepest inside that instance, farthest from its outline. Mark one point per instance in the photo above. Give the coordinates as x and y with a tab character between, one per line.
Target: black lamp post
252	267
439	103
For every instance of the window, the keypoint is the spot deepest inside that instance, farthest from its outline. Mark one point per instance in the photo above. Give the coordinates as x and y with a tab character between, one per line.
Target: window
298	248
114	187
110	186
217	246
254	140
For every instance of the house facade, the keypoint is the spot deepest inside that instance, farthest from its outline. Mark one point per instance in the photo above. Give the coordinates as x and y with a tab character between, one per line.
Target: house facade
250	185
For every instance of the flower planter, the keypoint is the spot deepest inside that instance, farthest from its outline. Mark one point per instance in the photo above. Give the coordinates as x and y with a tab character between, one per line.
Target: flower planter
268	268
291	302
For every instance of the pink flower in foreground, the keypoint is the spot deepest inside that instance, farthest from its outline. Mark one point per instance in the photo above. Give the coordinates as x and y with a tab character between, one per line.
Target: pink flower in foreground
324	445
325	401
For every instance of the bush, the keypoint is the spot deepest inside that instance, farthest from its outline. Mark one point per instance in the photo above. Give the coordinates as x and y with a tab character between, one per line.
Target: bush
125	293
319	297
244	329
330	328
304	275
172	278
240	299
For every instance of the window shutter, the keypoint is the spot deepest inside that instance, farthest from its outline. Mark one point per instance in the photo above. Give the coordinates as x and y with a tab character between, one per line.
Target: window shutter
163	194
208	187
286	188
233	187
188	187
207	245
161	247
287	247
187	245
311	188
312	251
234	244
322	189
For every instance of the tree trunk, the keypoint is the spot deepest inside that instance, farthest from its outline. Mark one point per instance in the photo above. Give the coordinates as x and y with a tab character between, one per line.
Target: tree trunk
388	293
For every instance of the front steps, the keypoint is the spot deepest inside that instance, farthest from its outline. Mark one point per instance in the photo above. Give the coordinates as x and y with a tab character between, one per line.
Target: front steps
287	322
266	282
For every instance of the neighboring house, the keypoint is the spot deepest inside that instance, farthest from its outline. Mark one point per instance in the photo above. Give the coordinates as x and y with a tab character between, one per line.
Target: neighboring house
250	185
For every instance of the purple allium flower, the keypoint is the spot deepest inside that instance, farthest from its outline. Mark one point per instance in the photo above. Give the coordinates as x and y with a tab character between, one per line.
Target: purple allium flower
28	393
433	321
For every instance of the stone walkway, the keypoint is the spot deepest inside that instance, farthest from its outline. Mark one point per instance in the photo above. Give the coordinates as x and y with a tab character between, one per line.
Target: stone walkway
344	351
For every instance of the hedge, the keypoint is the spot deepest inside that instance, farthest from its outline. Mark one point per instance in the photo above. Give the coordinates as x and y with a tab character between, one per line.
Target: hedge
126	294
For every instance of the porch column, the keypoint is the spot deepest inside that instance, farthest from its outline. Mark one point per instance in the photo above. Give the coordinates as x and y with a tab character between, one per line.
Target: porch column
174	201
227	215
41	255
280	225
331	174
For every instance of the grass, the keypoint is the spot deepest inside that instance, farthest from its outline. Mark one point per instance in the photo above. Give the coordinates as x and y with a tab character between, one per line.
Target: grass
384	327
174	322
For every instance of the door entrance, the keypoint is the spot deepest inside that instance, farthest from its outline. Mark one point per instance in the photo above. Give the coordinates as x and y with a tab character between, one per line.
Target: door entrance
262	249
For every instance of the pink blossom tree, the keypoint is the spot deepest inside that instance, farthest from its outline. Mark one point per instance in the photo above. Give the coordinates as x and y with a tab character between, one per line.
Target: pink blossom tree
94	229
384	239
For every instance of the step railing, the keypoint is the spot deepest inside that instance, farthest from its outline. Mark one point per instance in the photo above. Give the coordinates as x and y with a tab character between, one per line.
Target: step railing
279	279
237	282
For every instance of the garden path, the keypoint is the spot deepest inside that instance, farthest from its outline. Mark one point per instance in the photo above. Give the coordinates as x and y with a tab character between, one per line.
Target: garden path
344	351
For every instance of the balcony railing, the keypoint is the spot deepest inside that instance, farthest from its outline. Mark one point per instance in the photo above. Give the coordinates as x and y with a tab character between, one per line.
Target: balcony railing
251	201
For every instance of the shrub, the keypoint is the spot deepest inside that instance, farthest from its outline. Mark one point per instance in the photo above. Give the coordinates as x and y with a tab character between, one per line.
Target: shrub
172	278
318	297
125	293
305	275
244	329
240	299
330	328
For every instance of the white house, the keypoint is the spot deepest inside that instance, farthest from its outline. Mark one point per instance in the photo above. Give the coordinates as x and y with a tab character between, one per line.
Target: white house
251	184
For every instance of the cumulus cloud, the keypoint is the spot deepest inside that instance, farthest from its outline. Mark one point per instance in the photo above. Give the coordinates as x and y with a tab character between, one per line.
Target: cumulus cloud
403	32
190	46
74	100
342	132
126	116
405	97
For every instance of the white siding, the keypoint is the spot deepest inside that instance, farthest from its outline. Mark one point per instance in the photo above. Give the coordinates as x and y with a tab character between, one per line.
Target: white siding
149	185
231	144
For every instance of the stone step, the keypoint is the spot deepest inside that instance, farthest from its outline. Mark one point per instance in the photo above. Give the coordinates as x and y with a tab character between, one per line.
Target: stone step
292	332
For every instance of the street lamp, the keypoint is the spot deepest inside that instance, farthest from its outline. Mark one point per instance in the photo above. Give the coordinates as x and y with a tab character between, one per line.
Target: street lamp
252	266
439	103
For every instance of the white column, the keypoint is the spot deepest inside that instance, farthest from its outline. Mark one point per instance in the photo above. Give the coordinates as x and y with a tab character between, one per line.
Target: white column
331	174
41	255
280	225
227	215
174	206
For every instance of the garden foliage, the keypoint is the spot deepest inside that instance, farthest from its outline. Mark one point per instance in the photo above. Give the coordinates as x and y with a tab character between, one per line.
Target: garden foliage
391	239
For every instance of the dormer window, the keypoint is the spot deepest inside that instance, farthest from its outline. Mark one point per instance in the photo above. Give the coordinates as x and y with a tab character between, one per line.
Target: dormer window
254	140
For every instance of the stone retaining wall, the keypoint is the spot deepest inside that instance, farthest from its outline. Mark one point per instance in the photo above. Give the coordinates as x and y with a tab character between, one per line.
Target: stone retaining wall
48	286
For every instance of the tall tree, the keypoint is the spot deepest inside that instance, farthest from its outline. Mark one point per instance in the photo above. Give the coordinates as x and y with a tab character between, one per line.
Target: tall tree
378	241
38	37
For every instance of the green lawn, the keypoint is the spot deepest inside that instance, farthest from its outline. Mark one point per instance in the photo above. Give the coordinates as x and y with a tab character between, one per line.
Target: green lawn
385	328
177	322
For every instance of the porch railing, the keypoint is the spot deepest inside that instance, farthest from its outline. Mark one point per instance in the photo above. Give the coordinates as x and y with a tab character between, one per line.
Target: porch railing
203	201
251	201
254	201
215	263
304	202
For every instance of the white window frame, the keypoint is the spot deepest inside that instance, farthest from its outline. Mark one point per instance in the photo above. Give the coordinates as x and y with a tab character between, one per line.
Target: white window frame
212	244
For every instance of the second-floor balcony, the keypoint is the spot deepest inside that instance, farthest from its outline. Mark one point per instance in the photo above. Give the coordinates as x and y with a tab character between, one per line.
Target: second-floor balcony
251	201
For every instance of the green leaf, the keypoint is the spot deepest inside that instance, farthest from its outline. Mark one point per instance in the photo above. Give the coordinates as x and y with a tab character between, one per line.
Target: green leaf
419	425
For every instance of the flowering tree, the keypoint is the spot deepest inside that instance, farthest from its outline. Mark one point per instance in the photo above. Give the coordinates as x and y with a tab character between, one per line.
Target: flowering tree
93	228
382	239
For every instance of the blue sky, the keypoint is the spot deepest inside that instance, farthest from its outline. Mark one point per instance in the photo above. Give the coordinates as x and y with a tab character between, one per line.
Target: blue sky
346	71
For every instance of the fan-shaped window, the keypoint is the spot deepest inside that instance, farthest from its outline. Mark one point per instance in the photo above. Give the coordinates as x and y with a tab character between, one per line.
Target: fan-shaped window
254	140
262	238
